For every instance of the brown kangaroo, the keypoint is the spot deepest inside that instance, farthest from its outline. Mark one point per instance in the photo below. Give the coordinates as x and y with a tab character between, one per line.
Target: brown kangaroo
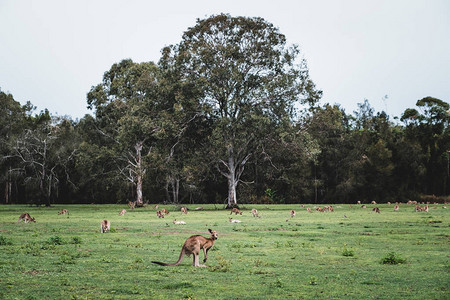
235	211
63	212
105	225
193	245
255	213
26	218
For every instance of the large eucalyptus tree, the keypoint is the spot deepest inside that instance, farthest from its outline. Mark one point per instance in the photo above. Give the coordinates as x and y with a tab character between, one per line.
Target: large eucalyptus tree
247	78
132	115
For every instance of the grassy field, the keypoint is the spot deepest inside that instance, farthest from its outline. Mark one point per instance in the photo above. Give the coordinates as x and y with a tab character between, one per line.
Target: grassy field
332	255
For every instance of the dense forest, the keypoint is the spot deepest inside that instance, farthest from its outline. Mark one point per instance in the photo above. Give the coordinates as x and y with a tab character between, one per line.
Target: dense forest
229	115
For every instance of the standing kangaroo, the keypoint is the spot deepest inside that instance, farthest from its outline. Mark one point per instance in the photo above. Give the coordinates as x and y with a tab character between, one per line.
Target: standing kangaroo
193	245
105	225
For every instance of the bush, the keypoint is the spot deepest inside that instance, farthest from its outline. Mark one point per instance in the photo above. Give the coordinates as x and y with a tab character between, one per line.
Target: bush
76	240
392	258
4	241
56	240
348	252
223	265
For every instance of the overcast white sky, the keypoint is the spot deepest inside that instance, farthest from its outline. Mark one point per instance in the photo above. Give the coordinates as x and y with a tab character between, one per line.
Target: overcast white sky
52	52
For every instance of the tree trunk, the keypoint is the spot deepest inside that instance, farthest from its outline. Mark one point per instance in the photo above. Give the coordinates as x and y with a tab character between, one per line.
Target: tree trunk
232	180
139	198
232	201
8	186
140	174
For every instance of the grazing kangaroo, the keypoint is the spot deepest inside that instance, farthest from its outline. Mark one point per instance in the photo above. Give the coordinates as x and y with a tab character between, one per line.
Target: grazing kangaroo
235	211
105	225
184	210
193	245
292	213
165	211
63	212
255	213
376	209
122	212
26	218
159	214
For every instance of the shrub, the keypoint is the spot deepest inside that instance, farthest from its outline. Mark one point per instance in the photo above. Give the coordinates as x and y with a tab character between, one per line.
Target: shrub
313	280
348	252
76	240
392	258
4	241
223	265
56	240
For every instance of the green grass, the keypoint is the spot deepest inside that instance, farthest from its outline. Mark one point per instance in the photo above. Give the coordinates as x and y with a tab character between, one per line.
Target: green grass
334	255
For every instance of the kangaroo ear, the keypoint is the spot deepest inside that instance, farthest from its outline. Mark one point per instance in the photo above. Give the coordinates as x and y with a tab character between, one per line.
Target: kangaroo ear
210	231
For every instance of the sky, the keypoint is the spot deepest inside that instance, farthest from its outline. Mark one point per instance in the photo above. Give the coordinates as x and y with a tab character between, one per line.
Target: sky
391	52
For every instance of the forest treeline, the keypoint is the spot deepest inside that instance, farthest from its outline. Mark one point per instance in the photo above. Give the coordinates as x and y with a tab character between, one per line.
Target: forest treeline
229	115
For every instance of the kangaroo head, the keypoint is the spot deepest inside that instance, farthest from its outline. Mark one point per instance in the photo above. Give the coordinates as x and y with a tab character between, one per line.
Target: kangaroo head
213	234
33	220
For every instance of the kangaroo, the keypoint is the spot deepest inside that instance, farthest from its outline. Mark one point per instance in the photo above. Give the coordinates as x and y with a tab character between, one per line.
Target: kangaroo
165	211
26	218
132	204
376	209
292	213
179	222
122	212
184	210
159	214
396	208
255	213
199	208
63	212
234	221
105	225
235	211
308	209
193	245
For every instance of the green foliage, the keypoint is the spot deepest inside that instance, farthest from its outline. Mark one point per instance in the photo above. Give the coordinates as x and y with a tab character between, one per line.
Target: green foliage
313	280
348	252
56	240
393	258
223	265
4	241
76	240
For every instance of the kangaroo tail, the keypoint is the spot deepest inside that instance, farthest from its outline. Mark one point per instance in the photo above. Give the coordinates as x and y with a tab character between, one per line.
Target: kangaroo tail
160	263
171	264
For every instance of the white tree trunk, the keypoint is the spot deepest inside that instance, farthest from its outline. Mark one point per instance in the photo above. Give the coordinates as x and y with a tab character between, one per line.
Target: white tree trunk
139	174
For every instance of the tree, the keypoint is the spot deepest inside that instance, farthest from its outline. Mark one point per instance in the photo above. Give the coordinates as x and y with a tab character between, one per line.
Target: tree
44	152
247	78
133	113
430	128
13	119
